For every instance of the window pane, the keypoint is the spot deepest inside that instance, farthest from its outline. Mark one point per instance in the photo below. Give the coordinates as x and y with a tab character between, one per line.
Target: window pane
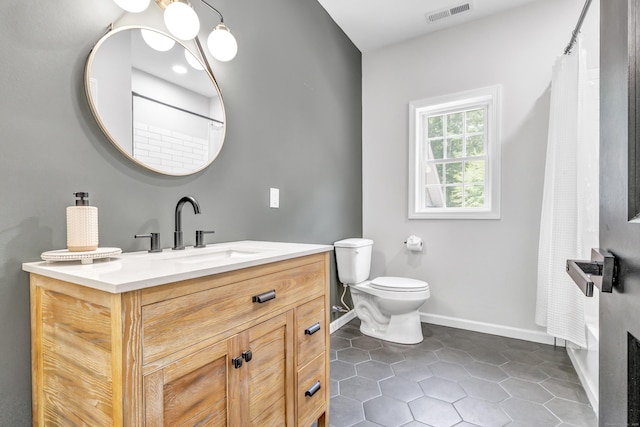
475	145
433	197
474	196
475	121
436	151
454	148
454	196
474	171
440	169
434	126
453	173
454	124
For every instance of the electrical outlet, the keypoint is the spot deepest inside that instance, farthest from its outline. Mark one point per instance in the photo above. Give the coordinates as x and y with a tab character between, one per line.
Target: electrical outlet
274	198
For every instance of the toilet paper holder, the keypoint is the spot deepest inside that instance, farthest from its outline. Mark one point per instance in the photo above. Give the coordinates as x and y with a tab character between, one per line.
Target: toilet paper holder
414	243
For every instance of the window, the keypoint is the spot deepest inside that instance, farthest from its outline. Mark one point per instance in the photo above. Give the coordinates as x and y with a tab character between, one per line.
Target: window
454	169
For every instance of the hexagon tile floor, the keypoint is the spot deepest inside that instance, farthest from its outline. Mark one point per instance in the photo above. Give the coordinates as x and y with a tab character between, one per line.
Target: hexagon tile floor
453	378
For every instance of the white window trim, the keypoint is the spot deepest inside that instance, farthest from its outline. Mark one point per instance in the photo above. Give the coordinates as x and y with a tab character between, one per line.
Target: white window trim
489	96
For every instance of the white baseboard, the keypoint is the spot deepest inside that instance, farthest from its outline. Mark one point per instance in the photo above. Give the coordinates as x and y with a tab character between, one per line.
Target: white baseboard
490	328
470	325
341	321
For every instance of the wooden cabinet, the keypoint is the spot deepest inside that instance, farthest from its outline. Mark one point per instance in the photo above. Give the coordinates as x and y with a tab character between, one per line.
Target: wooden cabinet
244	348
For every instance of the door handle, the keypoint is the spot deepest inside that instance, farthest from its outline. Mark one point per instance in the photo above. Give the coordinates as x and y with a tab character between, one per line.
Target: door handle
600	272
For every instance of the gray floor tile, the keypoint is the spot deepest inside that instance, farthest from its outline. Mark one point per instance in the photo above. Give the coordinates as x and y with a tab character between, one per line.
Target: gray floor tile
366	343
386	355
522	356
560	371
334	388
353	355
526	390
453	377
434	412
574	413
342	370
485	390
486	371
411	371
374	370
400	389
443	389
565	390
348	333
524	371
450	371
367	424
359	388
481	412
488	355
458	343
345	412
338	343
387	411
454	356
420	356
527	413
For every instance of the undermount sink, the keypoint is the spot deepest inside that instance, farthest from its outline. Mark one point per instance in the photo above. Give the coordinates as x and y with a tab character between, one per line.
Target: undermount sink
214	253
193	257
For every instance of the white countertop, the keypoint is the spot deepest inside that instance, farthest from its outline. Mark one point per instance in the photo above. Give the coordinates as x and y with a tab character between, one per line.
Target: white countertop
139	270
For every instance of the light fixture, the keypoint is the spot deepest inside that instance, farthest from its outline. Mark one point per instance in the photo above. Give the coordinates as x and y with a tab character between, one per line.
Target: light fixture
157	41
133	6
222	44
182	21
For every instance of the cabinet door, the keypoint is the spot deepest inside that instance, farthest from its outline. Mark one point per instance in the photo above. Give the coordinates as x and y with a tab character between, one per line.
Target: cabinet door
270	372
194	390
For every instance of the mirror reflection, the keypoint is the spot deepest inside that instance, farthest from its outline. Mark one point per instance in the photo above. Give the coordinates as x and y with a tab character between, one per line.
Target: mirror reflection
155	100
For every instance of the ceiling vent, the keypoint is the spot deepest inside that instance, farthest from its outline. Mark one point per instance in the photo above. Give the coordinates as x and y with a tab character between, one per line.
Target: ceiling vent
437	15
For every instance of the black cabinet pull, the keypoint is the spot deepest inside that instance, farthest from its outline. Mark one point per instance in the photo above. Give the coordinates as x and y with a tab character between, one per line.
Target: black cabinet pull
236	362
264	297
314	388
247	355
312	329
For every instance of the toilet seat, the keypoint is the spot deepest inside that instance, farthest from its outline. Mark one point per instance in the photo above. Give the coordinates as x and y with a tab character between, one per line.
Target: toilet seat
399	284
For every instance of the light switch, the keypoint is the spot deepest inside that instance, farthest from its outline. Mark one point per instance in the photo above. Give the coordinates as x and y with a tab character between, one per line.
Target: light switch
274	198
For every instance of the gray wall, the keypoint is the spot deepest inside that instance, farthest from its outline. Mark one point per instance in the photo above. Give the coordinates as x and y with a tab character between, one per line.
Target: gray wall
293	100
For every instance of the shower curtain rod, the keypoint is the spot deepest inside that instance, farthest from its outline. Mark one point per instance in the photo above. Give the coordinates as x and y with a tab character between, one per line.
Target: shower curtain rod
576	31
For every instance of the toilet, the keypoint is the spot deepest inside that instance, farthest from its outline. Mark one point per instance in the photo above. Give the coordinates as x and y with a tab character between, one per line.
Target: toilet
386	306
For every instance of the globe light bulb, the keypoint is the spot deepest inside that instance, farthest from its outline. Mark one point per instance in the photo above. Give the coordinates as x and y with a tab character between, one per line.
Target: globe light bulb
181	20
133	6
222	45
157	41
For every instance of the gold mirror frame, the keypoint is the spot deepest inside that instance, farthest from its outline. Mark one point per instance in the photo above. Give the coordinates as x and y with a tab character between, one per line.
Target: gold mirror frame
118	112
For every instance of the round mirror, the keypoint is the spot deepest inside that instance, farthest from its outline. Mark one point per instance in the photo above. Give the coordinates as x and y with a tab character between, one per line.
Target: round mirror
155	100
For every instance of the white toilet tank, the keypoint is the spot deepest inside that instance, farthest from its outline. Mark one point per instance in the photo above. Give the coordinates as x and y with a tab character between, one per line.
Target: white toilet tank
353	257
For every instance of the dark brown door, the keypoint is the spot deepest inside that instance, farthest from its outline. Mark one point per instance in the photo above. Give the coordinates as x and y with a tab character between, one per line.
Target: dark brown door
619	209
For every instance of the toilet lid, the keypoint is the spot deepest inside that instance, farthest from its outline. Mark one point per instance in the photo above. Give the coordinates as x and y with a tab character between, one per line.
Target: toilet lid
401	284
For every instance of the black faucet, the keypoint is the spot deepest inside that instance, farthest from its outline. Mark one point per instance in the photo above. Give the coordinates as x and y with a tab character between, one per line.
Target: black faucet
177	234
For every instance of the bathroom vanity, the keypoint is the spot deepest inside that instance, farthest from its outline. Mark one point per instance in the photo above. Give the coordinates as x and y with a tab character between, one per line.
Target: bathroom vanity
232	334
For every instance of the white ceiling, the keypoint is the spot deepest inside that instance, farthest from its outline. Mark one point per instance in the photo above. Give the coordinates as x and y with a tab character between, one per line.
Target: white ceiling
372	24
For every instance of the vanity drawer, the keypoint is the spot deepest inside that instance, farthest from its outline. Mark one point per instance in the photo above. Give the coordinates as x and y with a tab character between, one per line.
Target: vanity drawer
177	323
311	390
310	330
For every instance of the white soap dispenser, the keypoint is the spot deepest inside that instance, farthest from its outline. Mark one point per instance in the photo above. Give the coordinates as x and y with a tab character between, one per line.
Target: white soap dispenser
82	225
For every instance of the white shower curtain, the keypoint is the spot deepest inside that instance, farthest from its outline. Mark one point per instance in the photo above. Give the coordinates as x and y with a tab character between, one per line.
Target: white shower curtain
569	221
